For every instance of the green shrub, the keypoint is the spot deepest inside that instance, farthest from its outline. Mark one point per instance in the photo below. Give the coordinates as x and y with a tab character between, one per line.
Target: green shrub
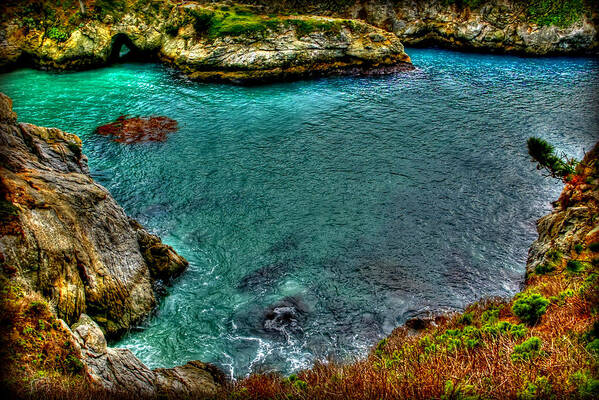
544	154
74	365
593	347
578	248
466	318
530	307
560	13
554	255
574	266
299	384
7	209
490	316
542	269
380	347
527	350
587	385
58	34
540	388
203	19
516	331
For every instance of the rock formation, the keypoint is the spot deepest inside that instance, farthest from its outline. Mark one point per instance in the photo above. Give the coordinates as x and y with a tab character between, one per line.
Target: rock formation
68	238
502	26
65	237
119	372
574	218
494	26
209	43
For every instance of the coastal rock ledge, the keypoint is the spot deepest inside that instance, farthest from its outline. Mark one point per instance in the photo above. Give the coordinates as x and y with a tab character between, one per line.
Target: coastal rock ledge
206	42
65	238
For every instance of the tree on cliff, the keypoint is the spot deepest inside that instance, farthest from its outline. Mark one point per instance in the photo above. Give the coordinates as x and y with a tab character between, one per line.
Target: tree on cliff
544	154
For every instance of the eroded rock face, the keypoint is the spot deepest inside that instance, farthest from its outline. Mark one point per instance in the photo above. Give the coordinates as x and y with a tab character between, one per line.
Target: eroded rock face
495	25
67	237
118	371
574	220
270	49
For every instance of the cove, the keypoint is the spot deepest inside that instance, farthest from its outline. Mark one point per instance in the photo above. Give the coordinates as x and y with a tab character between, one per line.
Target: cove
319	215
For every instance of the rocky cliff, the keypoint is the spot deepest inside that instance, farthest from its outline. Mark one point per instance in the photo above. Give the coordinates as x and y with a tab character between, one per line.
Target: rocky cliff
529	27
68	238
65	238
207	42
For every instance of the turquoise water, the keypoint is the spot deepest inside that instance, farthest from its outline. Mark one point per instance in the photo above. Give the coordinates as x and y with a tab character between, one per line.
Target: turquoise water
319	215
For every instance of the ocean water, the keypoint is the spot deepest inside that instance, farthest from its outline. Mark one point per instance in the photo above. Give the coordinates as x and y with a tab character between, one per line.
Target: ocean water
319	215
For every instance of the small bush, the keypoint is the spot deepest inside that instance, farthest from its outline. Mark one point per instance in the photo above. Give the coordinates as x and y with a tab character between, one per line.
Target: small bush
299	384
58	34
578	248
588	386
544	154
527	350
540	388
546	268
466	318
529	308
574	266
593	347
554	255
490	316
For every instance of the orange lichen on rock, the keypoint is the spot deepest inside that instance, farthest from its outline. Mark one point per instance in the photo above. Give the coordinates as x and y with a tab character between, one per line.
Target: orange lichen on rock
139	129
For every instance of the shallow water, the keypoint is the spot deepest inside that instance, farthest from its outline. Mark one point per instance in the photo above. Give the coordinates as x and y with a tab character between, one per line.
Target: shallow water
350	204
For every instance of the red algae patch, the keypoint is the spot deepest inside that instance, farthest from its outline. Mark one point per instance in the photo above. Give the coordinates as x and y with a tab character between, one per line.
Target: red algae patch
139	129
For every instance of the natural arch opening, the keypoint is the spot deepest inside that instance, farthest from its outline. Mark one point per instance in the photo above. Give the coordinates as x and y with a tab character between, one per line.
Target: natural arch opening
123	49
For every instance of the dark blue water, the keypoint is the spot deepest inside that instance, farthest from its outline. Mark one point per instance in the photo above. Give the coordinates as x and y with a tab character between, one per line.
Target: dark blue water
319	215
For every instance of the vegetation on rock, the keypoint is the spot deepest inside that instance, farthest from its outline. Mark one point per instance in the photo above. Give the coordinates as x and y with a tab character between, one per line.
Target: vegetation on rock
544	154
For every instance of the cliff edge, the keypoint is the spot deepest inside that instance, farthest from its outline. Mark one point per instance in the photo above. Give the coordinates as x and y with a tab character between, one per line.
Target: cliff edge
70	256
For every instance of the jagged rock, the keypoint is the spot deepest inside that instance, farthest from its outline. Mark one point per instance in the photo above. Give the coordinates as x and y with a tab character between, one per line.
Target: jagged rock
192	380
119	371
494	25
67	237
574	219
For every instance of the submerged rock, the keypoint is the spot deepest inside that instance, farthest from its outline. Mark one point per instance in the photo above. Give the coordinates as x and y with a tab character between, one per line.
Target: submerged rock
285	316
139	129
68	238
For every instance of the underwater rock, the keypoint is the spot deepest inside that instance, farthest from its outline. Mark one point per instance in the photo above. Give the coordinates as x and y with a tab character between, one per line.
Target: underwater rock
139	129
286	316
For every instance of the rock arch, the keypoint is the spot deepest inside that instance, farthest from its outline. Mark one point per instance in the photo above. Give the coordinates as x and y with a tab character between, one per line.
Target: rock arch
119	41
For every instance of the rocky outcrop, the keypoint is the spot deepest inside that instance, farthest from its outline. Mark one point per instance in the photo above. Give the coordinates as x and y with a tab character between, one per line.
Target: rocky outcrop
119	372
574	219
67	237
502	26
212	43
493	25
